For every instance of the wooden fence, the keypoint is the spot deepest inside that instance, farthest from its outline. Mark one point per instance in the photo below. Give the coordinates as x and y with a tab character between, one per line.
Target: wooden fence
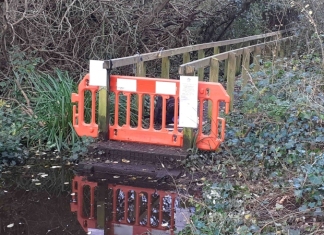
270	43
234	62
140	59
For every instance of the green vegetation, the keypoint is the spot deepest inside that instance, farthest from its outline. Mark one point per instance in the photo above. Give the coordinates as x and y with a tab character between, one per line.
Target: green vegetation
269	172
267	178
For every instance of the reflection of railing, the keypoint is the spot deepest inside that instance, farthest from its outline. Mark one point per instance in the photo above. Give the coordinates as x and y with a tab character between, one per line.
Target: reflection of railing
131	208
140	87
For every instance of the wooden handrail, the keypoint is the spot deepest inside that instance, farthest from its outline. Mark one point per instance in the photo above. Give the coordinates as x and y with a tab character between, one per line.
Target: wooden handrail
192	66
119	62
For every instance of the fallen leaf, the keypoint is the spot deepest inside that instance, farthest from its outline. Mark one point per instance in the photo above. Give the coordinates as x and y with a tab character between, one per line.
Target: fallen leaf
10	225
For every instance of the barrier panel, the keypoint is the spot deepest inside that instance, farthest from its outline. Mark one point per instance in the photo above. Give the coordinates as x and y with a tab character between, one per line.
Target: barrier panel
130	210
134	95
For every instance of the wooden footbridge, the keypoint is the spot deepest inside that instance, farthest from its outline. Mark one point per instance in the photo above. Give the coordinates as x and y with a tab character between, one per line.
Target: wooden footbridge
136	157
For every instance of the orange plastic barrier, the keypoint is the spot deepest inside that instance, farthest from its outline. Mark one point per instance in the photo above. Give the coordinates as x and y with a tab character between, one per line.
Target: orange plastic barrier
136	210
142	86
82	128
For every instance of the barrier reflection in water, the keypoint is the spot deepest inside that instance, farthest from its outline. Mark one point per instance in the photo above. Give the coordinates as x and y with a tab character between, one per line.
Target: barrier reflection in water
128	210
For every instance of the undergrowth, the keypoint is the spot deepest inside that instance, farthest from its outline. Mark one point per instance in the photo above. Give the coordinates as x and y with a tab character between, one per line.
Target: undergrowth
272	161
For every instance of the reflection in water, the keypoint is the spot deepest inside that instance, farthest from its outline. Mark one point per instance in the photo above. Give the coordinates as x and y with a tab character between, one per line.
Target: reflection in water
35	200
129	210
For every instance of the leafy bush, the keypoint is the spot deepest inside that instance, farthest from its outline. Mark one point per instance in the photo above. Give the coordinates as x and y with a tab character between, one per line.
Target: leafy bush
221	212
273	150
281	119
12	132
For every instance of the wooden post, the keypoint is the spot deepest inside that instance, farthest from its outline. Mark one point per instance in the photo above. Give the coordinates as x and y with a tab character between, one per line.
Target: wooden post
103	110
201	54
214	70
288	47
256	58
245	66
282	49
216	50
102	205
279	36
165	70
140	69
213	77
226	61
188	133
186	57
140	72
238	61
231	77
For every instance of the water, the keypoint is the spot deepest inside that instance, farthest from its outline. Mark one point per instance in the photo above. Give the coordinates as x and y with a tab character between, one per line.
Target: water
36	199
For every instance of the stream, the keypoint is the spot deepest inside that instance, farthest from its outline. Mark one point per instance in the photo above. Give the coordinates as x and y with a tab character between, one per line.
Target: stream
35	199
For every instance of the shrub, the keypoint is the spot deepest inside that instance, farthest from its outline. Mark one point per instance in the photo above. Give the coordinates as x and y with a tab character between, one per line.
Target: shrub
12	132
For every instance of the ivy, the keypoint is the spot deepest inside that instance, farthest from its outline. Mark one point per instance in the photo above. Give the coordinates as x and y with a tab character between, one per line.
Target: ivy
12	134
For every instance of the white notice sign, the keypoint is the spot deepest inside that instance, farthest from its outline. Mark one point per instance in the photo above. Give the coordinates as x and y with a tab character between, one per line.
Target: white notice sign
165	88
126	84
98	75
94	231
188	101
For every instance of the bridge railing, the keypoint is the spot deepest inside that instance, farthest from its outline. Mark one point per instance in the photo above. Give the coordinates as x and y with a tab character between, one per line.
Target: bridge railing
140	59
235	58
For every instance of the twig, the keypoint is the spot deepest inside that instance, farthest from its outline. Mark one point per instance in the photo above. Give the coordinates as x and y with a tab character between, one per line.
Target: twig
238	167
26	109
250	128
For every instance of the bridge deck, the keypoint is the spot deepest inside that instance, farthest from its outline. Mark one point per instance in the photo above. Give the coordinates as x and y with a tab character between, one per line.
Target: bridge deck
143	165
132	151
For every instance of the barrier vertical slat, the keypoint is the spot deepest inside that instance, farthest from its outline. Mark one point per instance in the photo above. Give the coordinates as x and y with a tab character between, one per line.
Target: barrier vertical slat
128	112
160	211
80	203
201	115
116	107
93	107
172	211
149	209
137	208
92	202
125	207
152	112
114	193
140	111
176	113
163	112
214	121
